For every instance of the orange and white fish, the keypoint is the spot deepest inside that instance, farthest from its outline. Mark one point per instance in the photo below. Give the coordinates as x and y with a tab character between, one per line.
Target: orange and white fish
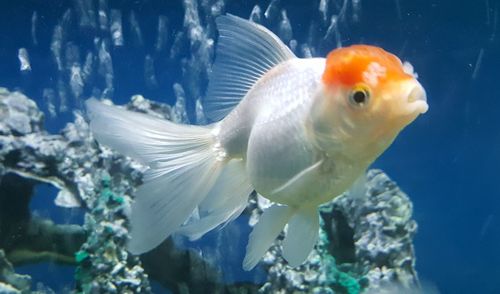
297	131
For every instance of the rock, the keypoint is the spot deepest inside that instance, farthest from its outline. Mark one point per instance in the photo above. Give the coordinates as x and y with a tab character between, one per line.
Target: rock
18	114
74	163
10	282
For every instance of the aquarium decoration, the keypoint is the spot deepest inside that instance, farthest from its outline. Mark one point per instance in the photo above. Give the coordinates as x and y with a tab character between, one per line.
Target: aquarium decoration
365	241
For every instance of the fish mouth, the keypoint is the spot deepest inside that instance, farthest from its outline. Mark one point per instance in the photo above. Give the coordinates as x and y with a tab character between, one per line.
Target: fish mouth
417	99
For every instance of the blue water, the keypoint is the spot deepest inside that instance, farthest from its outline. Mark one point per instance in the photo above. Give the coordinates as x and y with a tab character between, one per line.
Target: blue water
447	160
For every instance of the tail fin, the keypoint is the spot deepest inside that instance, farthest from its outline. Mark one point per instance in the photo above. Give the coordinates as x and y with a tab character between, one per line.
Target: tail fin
184	163
302	234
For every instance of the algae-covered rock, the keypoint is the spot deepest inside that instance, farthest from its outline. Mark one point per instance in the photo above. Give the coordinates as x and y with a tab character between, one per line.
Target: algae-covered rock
383	231
19	115
10	282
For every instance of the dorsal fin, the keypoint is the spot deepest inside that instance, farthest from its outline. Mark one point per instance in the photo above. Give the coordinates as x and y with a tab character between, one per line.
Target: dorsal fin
245	52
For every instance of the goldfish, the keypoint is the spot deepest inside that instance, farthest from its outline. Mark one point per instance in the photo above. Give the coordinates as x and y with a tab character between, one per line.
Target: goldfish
299	132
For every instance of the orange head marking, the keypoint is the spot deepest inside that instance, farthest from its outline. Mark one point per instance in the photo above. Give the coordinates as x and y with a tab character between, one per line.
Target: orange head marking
362	64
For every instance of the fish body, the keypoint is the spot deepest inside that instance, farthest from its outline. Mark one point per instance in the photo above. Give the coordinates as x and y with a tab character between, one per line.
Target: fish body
300	132
267	129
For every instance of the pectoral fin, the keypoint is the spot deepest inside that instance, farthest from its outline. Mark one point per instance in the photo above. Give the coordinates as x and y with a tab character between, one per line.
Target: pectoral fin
297	184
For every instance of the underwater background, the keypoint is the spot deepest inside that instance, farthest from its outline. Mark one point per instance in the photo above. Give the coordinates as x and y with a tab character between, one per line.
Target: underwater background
59	53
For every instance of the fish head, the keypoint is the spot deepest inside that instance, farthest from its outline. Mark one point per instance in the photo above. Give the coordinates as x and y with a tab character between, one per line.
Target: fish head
368	96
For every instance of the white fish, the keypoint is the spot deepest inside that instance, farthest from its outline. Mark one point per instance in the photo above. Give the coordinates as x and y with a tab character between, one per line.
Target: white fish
298	131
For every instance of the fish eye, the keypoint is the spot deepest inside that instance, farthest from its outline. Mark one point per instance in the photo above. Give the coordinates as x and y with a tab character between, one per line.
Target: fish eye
360	95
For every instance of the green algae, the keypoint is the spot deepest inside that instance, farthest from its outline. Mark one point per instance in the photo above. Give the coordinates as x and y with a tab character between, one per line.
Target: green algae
81	256
337	279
